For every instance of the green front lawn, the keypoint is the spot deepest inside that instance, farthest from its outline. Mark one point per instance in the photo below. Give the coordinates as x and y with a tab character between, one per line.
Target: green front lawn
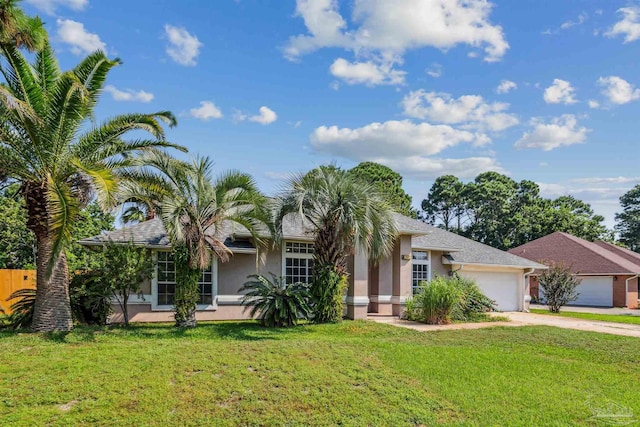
354	373
616	318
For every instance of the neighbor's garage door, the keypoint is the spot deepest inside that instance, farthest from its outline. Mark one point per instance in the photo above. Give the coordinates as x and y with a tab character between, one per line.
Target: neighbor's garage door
596	291
501	287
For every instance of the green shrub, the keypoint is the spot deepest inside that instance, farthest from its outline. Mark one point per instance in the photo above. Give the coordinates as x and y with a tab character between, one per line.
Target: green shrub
446	299
90	302
276	302
328	290
22	306
558	285
434	302
90	297
473	304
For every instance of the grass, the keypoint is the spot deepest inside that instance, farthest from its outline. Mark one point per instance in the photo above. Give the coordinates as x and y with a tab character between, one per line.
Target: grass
616	318
350	374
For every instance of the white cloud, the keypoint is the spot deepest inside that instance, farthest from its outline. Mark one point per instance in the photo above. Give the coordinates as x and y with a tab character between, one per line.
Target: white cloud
593	104
278	176
417	167
183	47
206	111
560	92
389	139
128	95
81	41
628	25
602	193
434	71
49	6
404	146
608	180
582	17
382	32
265	117
506	86
618	90
368	73
561	131
471	111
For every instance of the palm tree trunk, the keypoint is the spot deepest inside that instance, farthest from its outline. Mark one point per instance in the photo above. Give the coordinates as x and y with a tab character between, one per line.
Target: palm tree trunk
52	310
186	300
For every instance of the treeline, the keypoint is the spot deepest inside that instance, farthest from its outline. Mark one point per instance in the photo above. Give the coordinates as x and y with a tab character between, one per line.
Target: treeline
503	213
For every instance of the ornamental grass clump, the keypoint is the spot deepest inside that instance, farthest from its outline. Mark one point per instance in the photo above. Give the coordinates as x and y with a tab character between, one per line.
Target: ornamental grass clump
434	302
446	299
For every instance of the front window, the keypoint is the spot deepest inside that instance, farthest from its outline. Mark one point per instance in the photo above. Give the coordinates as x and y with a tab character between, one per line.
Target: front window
421	271
167	282
298	262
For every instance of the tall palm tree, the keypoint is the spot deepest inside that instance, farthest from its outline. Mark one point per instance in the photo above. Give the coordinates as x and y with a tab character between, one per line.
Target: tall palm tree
197	211
50	145
19	29
344	213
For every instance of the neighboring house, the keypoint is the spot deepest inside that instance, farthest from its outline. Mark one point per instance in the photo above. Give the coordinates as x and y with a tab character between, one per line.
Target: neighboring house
608	273
421	252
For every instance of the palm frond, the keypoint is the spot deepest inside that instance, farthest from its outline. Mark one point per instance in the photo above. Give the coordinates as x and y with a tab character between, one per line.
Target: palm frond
64	209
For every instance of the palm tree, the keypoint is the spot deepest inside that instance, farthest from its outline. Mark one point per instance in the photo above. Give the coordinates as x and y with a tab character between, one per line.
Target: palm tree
50	145
20	30
197	212
344	213
134	214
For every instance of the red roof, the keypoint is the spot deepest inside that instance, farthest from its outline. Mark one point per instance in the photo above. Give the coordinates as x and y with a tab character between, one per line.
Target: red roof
582	256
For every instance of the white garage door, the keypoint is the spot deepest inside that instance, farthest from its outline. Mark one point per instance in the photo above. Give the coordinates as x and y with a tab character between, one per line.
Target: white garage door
500	287
595	291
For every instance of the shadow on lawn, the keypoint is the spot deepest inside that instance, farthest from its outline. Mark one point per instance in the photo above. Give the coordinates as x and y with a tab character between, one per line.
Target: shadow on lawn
237	331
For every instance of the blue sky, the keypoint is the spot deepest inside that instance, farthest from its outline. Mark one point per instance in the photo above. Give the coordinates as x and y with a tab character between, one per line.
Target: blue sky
538	89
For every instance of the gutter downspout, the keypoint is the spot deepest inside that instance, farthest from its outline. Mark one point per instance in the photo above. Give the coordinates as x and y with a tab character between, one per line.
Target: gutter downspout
626	293
459	269
527	297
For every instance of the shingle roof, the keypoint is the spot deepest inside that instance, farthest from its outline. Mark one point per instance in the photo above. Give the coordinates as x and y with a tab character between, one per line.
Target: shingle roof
582	256
460	249
623	252
467	251
152	234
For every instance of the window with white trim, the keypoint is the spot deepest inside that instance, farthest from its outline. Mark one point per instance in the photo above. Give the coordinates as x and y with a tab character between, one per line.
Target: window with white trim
421	269
166	274
298	262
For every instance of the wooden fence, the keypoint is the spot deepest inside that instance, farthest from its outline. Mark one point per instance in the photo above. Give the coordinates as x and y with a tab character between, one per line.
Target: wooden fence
11	281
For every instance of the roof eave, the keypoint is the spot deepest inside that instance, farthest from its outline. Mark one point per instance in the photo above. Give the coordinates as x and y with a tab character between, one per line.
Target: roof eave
482	264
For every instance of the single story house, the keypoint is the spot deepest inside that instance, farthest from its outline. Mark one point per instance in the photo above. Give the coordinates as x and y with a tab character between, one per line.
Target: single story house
421	252
608	273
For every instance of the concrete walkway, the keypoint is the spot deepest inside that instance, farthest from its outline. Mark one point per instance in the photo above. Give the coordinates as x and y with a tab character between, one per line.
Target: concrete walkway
594	310
521	319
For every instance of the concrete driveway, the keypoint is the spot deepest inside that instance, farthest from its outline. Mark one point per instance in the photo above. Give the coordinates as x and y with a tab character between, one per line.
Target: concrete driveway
522	319
595	310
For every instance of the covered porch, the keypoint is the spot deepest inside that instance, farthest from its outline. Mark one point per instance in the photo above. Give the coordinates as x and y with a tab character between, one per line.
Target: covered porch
380	288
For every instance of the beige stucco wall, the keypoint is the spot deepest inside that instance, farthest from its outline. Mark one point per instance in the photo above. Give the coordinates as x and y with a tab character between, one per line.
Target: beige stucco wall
143	313
233	273
437	268
145	287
